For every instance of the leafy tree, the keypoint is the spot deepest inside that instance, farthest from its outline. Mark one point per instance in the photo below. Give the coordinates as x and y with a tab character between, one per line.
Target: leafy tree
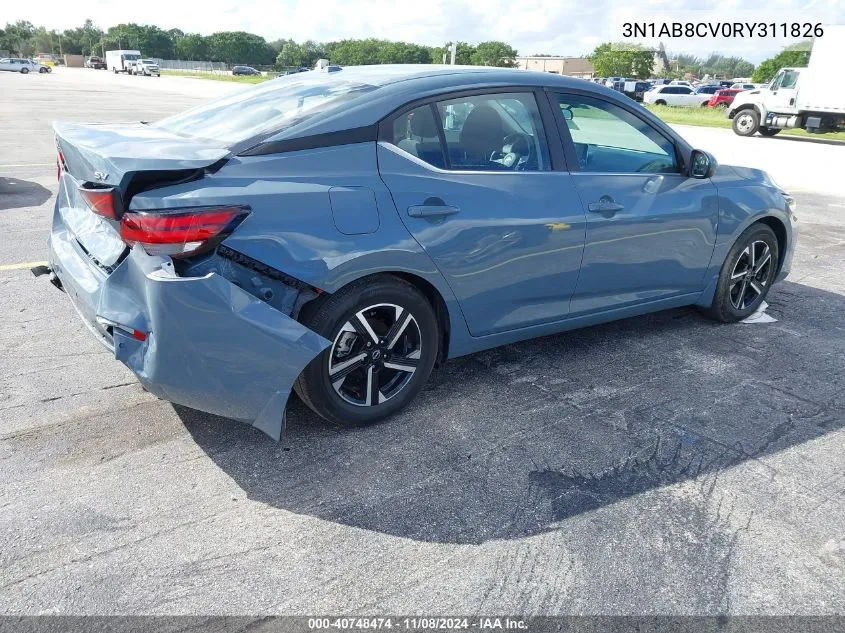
791	56
463	55
624	60
293	55
238	47
494	54
19	38
192	46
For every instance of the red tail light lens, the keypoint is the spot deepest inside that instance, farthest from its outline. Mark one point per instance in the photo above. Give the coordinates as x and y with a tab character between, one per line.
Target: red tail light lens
179	234
101	201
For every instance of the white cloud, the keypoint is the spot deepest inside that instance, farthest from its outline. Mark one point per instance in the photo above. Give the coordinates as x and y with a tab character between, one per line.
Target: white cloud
552	26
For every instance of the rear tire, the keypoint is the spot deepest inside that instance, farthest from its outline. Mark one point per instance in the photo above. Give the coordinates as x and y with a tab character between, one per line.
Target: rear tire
768	131
746	122
747	275
377	376
660	102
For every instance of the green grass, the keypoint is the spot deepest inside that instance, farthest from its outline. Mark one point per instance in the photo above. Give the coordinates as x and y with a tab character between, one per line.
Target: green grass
717	117
241	79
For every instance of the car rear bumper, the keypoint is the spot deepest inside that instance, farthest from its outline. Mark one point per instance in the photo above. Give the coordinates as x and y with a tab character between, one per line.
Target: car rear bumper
201	342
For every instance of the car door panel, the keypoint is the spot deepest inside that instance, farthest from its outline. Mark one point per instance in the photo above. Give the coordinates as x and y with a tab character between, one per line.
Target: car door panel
650	229
658	245
509	243
510	246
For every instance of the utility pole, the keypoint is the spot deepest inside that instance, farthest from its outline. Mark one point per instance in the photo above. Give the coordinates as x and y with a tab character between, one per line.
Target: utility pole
454	49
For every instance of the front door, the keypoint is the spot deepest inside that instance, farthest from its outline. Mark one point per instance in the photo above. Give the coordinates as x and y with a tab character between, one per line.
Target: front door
650	228
473	182
784	90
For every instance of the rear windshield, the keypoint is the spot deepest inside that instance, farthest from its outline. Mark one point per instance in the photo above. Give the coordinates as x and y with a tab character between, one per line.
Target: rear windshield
268	107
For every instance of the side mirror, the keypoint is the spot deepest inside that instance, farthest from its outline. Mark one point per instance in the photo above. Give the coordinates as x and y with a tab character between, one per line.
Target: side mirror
702	164
567	113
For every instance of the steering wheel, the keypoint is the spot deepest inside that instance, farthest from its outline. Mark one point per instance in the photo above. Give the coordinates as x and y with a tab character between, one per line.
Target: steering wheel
517	151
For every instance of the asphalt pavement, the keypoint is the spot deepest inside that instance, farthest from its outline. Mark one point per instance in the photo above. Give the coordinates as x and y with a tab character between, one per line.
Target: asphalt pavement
659	465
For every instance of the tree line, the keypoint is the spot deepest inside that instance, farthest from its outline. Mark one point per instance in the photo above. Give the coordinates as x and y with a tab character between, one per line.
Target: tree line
630	60
238	47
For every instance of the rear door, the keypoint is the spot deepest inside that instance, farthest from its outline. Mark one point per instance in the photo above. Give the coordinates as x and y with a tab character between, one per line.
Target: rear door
650	228
474	182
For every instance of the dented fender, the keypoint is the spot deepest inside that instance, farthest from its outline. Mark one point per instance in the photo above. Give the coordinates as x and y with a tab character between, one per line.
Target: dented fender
209	345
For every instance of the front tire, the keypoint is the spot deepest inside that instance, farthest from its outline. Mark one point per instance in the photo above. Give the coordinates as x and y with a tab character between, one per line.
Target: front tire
747	275
24	71
746	122
660	102
385	339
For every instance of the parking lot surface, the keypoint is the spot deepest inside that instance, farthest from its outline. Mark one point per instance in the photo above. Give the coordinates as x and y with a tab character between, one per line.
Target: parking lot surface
658	465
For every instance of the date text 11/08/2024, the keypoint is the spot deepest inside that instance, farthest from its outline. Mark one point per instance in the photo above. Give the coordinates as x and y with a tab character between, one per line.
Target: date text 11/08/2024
418	623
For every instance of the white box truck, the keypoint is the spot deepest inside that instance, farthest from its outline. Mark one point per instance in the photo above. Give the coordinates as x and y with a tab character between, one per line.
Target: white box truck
811	98
122	61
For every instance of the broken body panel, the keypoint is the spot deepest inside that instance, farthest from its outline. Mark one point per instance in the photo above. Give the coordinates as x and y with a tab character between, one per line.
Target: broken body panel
240	362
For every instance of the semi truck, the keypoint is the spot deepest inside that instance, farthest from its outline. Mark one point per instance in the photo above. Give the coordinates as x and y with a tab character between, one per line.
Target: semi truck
811	98
122	61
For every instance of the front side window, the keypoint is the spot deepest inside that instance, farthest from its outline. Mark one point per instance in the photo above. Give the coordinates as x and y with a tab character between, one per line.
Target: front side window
610	139
495	132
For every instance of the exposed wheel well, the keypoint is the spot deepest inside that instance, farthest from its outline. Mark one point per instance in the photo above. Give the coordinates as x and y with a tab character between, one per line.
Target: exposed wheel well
780	233
431	293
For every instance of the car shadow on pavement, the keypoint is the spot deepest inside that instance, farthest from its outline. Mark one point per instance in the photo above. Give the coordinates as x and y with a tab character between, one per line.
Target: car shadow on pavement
16	193
820	139
510	442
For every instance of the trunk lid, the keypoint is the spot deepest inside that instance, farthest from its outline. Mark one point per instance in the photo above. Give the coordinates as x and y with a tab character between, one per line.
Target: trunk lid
111	154
118	155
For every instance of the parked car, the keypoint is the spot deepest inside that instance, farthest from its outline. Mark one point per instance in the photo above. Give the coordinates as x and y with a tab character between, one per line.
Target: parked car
707	89
681	96
338	234
147	67
22	65
636	89
245	70
723	98
95	62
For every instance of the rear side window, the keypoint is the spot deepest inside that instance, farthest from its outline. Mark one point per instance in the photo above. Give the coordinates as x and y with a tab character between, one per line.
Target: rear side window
493	132
416	133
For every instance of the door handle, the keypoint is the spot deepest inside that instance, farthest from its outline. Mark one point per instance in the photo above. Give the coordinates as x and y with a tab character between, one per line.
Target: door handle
605	205
432	211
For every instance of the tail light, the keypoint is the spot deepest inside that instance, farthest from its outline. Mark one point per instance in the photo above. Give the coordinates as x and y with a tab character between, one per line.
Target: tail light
60	162
181	233
101	201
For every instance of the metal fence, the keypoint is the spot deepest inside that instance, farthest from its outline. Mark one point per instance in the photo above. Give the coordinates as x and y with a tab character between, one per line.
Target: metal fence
219	68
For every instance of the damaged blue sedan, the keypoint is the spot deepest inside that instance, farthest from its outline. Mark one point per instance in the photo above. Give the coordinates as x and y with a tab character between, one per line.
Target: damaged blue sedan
340	233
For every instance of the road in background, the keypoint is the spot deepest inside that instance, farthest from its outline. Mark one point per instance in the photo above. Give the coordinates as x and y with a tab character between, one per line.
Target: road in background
664	464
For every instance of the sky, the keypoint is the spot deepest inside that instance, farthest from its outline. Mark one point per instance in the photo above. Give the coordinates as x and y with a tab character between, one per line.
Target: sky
560	27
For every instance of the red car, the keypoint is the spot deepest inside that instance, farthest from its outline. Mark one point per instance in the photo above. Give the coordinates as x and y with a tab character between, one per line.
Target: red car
723	98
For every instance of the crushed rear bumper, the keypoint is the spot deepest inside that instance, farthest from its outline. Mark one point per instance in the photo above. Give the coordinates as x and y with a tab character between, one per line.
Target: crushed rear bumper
207	344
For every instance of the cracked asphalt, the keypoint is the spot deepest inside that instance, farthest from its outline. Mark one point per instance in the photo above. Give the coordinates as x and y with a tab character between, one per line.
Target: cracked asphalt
658	465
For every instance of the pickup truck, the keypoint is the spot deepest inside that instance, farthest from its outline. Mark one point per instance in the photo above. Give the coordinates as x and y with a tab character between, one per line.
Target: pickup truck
146	67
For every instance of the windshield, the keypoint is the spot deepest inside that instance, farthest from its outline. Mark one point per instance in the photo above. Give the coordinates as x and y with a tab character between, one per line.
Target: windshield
147	61
271	106
131	56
